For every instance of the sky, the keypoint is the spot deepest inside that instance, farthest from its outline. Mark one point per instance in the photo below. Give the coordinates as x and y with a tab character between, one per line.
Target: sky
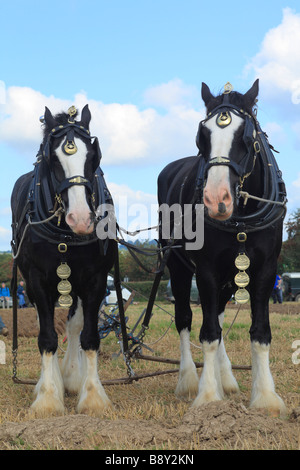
139	64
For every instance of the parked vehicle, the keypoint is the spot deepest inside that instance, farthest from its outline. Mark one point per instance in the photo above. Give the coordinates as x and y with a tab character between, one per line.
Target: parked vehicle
291	286
194	296
112	297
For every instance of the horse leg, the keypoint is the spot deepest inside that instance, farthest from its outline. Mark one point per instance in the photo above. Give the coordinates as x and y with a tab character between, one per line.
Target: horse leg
263	393
228	380
210	384
181	278
49	390
92	396
72	361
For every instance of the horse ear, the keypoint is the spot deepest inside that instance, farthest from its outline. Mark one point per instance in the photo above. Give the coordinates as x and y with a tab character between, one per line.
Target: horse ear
252	93
49	119
86	116
206	94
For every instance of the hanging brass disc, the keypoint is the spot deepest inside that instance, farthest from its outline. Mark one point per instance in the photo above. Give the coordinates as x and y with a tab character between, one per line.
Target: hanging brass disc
63	271
241	279
242	296
242	262
64	287
65	301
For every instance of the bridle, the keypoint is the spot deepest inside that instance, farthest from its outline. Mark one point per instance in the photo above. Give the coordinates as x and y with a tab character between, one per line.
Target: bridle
68	146
272	205
45	204
222	115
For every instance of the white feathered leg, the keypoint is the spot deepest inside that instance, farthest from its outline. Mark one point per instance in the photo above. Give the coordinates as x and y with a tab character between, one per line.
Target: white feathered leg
210	386
49	389
228	380
188	379
263	389
71	364
92	399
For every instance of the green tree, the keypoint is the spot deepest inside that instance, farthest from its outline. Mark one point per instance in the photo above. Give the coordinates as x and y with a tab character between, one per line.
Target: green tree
289	259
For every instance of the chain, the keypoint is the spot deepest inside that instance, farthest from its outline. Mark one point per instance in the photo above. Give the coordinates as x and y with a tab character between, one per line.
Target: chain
15	363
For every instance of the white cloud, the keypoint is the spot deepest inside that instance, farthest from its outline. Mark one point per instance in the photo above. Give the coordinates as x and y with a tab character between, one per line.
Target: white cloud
168	95
277	64
126	133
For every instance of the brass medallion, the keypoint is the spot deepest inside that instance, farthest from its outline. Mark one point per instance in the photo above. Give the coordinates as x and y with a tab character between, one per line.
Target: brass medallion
242	262
241	279
70	147
242	296
65	301
224	119
63	271
64	287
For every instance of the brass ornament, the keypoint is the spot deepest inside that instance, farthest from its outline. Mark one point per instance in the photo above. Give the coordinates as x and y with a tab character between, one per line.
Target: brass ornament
64	287
65	301
242	262
227	88
242	279
72	111
63	271
224	119
78	180
242	296
70	147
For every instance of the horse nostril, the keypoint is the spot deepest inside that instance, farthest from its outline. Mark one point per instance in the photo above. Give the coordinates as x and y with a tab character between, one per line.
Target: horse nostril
221	208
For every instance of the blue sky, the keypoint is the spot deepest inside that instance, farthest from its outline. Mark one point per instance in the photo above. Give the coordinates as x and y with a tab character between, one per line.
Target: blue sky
140	64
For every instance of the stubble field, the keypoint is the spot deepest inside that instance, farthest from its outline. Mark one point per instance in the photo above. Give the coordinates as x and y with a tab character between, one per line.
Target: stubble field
146	414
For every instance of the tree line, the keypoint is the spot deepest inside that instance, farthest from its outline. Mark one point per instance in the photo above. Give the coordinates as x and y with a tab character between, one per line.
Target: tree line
136	267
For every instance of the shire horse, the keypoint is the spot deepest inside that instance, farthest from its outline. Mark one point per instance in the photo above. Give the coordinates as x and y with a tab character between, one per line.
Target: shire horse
234	161
57	250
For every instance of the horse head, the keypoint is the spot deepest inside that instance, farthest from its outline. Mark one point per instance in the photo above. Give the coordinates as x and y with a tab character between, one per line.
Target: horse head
72	158
225	140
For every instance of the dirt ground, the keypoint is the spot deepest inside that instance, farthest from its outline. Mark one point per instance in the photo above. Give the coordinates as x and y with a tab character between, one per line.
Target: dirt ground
207	427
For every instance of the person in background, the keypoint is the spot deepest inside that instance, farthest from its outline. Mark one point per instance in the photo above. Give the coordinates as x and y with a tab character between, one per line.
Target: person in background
277	290
4	295
21	295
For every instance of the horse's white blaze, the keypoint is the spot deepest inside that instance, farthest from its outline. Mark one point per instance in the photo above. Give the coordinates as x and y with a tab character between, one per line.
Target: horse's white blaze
72	362
78	216
217	189
187	384
49	389
93	398
263	389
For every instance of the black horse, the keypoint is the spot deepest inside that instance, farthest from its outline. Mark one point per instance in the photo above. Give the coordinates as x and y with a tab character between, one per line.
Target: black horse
242	240
58	252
